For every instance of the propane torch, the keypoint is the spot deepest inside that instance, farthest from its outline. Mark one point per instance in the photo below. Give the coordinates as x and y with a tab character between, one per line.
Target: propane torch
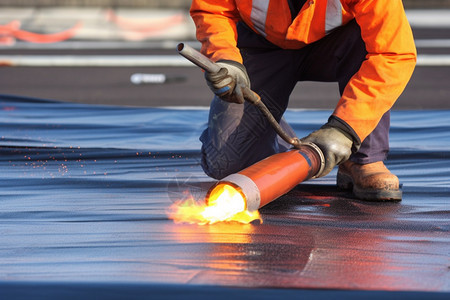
272	177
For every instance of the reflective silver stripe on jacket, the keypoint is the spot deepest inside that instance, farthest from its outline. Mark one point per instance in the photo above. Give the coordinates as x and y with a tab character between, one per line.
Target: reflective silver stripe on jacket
259	15
333	17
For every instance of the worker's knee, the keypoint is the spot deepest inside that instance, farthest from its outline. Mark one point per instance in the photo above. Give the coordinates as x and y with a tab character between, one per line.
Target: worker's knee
232	143
219	163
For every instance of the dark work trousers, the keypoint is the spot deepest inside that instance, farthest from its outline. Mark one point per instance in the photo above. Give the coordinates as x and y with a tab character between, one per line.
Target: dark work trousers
238	135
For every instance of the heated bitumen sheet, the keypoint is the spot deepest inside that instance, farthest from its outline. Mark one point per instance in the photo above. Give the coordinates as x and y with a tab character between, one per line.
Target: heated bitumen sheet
84	192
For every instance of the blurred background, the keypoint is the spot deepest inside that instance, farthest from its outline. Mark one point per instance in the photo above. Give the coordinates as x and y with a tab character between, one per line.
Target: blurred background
123	53
172	3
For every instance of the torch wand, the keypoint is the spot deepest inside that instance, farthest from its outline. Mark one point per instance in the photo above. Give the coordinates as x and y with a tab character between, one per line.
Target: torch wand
209	66
266	180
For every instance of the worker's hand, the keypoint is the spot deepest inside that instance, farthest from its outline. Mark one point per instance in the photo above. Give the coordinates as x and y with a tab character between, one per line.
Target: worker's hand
227	84
335	144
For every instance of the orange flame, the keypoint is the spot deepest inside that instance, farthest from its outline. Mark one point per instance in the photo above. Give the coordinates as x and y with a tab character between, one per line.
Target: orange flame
225	203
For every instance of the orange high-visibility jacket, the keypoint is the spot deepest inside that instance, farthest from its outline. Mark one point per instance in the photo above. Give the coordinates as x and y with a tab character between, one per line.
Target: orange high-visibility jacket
385	30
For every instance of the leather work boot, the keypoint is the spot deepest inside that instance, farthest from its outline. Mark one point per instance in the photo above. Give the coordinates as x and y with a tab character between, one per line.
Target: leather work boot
370	182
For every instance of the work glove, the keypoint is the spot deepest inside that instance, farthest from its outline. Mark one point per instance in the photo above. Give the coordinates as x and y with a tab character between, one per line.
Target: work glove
227	84
337	142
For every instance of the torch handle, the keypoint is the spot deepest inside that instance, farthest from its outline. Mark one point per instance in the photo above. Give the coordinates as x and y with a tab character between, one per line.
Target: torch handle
208	65
197	58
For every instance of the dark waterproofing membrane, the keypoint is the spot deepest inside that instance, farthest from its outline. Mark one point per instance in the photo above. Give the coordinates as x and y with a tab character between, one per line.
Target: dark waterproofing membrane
84	192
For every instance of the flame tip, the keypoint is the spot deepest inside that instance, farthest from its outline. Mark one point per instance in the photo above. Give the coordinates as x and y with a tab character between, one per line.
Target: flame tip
224	203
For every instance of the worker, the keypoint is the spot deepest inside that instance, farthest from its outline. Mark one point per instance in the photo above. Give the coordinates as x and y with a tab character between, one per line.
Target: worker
366	46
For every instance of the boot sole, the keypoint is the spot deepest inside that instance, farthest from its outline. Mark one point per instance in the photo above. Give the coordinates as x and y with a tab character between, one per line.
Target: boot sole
345	182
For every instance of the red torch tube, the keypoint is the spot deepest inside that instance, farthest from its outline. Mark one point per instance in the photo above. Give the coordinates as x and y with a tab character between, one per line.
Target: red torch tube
270	178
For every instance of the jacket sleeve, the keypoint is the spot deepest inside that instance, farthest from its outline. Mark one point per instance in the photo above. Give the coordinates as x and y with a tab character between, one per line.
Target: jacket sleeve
388	67
215	23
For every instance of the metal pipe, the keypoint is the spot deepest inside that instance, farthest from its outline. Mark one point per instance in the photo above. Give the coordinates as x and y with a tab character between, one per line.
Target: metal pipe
197	58
206	64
